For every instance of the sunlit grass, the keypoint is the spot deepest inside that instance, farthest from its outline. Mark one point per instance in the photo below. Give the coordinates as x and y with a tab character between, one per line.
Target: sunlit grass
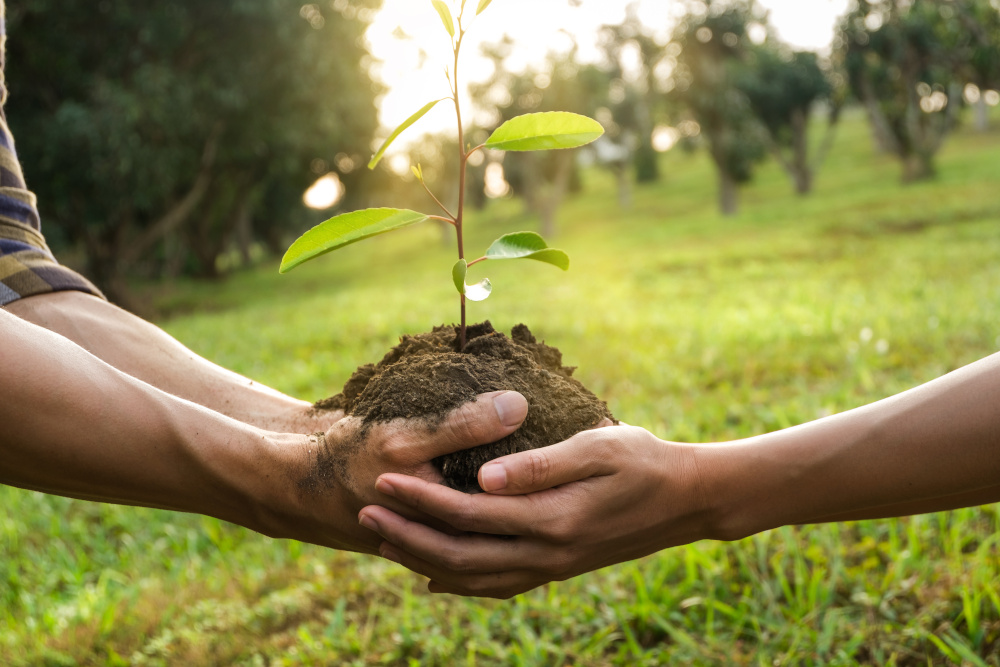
696	327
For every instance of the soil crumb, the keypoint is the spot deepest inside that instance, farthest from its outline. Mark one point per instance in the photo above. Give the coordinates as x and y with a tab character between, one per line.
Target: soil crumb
426	377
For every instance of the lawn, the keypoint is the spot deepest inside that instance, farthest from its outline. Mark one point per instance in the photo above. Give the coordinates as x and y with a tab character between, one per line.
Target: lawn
696	327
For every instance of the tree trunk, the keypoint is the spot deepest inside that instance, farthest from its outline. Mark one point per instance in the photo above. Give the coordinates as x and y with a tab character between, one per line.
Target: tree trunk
801	172
624	185
244	230
884	140
982	115
918	166
529	182
549	205
180	212
728	194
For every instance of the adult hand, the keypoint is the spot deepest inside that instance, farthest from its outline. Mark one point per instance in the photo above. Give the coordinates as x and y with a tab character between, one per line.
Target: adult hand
602	497
75	426
625	493
338	469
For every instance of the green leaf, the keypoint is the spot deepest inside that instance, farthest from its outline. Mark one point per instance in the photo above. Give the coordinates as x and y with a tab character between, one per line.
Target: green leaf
458	273
478	292
399	130
527	245
545	131
445	14
483	4
344	230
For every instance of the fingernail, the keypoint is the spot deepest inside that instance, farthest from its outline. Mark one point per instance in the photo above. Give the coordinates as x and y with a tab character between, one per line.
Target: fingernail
384	487
368	522
493	477
389	554
511	408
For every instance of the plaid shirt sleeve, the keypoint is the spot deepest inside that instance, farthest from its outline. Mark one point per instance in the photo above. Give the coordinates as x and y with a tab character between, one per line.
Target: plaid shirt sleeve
27	266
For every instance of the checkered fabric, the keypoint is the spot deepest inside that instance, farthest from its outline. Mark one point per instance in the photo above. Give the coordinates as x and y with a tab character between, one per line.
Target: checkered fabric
27	266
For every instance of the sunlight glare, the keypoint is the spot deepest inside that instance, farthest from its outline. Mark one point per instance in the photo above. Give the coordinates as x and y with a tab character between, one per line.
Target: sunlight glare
324	193
412	49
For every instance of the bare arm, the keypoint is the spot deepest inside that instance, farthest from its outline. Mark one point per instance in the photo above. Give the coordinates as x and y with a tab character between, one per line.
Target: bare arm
148	353
619	493
74	425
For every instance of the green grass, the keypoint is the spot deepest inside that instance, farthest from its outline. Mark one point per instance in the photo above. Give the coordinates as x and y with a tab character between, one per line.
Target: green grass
696	327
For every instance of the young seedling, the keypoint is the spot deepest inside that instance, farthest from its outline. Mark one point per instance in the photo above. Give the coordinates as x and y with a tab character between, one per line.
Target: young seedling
530	132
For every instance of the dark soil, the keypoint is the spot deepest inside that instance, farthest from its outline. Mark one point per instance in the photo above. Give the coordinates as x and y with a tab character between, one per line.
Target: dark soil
426	376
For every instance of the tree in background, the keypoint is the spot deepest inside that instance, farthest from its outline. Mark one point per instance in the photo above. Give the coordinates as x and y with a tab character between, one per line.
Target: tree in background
714	46
158	130
562	84
633	102
981	64
783	88
901	60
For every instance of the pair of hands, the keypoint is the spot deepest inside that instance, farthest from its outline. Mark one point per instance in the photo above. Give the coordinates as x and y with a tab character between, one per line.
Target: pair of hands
549	514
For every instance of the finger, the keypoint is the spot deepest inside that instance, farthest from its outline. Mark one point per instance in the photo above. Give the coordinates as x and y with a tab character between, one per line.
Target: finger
584	455
514	589
479	513
459	554
489	418
501	585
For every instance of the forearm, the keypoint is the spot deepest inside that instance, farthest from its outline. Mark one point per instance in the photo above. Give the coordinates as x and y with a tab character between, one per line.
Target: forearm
75	426
932	448
148	353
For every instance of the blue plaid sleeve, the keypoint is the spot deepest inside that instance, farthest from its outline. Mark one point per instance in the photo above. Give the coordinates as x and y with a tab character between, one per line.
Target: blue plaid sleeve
27	266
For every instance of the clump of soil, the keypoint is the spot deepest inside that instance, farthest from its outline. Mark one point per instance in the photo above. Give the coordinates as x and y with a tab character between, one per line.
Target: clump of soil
426	376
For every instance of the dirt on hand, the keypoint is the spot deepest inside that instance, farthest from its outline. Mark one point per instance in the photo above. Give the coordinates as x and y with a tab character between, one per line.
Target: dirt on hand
426	377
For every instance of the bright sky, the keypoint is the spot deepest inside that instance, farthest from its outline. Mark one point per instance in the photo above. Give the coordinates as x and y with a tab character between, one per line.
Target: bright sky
414	49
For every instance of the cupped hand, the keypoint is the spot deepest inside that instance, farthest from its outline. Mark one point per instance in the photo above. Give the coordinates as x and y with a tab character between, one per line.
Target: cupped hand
602	497
333	474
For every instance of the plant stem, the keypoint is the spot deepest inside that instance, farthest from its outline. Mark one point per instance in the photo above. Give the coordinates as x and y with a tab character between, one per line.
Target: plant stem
462	164
451	216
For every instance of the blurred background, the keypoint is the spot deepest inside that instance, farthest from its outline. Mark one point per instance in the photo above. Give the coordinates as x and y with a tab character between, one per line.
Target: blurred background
794	211
179	139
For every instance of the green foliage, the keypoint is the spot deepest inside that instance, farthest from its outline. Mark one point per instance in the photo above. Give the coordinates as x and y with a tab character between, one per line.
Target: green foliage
153	106
532	132
713	47
446	17
528	245
634	104
704	329
782	87
545	131
483	4
781	84
906	62
345	229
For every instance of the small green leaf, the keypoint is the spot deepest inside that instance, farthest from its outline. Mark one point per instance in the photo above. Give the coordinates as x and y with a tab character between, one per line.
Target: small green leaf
346	229
445	14
458	275
478	292
399	130
527	245
545	131
483	4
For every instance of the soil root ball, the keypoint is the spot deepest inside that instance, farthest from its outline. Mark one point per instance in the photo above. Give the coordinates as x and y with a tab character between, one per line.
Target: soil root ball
426	377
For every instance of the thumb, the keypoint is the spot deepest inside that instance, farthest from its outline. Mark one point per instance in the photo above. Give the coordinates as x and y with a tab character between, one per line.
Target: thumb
582	456
489	418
